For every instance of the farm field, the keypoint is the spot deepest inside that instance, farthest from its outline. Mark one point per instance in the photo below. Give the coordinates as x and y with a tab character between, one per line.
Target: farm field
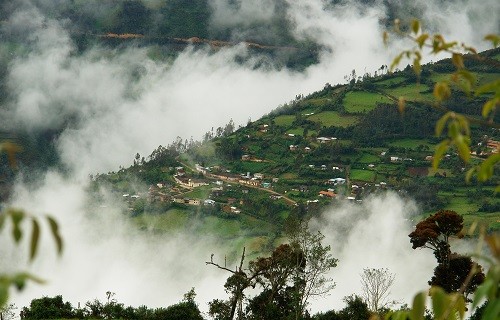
362	101
416	92
333	118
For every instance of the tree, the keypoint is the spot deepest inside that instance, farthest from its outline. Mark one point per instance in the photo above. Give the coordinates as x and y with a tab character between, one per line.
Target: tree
186	309
313	277
7	312
454	273
48	308
376	285
289	277
457	123
448	305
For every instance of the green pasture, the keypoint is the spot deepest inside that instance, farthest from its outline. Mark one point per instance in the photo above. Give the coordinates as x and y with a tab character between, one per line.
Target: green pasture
363	175
319	102
433	171
333	118
225	228
368	158
484	78
253	167
391	82
362	101
411	143
296	131
289	176
411	92
440	77
284	120
198	193
387	168
173	219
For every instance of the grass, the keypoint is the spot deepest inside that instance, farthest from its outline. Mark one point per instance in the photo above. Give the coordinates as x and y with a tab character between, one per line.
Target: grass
296	131
433	171
284	120
412	92
253	166
362	101
173	219
198	193
289	176
319	102
363	175
333	118
487	77
439	77
391	81
223	227
368	158
410	143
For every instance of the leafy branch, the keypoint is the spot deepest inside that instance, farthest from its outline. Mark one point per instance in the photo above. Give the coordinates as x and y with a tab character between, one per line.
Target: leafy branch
457	124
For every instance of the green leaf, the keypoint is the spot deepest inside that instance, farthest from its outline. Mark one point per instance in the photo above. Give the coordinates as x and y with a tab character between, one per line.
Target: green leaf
16	216
463	123
439	302
459	304
468	76
469	174
421	39
396	60
2	219
55	233
401	104
438	154
482	292
457	60
492	311
469	49
442	91
418	308
11	149
454	129
493	38
35	235
417	68
488	87
399	315
489	106
4	292
486	168
415	26
441	123
463	148
19	280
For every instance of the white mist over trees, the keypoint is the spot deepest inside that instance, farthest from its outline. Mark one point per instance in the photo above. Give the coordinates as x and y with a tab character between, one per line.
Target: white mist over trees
124	102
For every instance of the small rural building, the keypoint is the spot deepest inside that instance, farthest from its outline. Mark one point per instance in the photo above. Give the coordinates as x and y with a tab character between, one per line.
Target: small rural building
328	194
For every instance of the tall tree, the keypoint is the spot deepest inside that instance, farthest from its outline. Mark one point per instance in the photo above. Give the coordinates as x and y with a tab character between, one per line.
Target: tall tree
454	273
376	286
289	277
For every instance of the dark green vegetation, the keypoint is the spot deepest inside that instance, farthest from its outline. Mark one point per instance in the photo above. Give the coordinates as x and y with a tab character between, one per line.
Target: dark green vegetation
339	144
167	27
56	308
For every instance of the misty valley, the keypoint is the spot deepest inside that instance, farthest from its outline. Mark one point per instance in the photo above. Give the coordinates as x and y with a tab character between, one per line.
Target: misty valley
265	159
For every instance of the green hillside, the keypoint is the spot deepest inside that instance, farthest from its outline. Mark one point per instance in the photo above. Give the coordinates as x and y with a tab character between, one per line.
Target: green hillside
341	143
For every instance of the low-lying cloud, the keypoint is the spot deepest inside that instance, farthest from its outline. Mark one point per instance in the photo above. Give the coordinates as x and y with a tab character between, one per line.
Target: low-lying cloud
120	102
